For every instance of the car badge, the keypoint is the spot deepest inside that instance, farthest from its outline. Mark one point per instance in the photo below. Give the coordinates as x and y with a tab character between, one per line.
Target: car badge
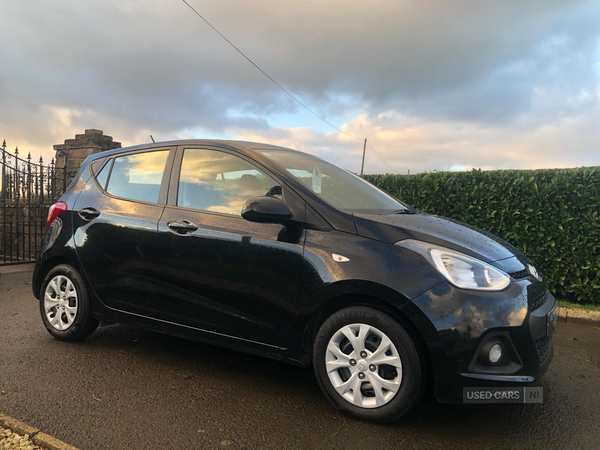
339	258
534	273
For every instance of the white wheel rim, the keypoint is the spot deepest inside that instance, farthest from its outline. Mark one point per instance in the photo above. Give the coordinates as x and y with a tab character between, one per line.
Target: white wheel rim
60	302
363	365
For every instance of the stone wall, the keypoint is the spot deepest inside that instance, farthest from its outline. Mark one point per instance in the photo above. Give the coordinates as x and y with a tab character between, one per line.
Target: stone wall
72	153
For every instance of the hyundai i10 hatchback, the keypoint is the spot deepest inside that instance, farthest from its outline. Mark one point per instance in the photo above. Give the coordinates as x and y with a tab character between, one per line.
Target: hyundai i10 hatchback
279	253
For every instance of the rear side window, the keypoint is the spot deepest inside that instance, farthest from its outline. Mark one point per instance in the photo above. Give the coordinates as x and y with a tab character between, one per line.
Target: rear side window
138	176
215	181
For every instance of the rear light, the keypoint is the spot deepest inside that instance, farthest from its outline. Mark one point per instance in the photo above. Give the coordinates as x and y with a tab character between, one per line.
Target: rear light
54	211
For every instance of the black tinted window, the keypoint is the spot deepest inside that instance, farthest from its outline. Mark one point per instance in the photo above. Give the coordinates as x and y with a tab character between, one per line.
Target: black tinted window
216	181
138	176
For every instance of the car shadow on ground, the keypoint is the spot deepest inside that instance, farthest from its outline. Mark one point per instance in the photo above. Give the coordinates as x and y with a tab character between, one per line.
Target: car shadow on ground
197	362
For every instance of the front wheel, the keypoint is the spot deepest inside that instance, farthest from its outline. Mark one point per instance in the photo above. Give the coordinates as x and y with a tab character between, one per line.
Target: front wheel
368	365
65	304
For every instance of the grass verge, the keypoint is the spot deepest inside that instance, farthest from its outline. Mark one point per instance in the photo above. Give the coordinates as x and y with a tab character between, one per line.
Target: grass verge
584	306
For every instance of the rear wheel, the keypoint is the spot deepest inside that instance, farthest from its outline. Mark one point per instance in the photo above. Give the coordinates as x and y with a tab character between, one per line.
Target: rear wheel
65	304
367	364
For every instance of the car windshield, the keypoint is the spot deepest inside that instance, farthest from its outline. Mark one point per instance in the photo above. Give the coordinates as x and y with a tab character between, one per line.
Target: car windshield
338	187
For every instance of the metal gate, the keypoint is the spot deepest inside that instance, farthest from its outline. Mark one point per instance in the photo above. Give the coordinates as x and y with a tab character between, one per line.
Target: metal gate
27	191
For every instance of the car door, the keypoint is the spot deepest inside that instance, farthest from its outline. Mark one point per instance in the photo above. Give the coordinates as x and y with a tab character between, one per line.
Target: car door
218	272
115	218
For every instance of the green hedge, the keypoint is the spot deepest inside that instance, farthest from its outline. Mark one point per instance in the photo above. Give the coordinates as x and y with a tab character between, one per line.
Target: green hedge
552	215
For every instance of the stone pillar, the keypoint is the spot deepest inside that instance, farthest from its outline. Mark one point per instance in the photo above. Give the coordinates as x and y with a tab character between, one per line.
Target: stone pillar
71	154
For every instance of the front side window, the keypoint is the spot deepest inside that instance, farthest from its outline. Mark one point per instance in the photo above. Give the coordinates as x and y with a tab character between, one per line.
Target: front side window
211	180
336	186
138	176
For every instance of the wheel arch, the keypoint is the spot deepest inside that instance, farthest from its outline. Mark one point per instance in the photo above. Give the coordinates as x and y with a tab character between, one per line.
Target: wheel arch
47	265
347	300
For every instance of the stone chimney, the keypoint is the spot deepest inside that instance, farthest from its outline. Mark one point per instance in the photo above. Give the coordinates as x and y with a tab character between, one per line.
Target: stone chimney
72	153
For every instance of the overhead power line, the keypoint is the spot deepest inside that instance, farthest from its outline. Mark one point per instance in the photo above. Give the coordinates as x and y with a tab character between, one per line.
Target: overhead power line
394	170
277	84
267	75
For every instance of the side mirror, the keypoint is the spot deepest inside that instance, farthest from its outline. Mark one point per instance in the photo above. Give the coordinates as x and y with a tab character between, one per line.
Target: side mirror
266	210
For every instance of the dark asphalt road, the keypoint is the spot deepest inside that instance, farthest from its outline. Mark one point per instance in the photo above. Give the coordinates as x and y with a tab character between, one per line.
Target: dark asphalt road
129	388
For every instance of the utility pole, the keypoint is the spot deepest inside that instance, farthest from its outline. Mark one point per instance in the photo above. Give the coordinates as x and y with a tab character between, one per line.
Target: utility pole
362	168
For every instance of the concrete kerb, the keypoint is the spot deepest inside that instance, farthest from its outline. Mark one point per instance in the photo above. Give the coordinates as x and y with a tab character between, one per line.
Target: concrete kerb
37	437
579	316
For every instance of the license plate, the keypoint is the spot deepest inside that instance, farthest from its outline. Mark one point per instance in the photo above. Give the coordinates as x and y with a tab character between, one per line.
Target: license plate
552	319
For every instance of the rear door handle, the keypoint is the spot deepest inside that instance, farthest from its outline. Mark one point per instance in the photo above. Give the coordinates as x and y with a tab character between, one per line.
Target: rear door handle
182	226
88	213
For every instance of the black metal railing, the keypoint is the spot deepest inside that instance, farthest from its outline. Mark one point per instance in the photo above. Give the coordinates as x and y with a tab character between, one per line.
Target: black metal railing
27	190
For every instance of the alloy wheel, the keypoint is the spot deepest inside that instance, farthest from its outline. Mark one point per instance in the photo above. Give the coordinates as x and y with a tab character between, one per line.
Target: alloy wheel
60	302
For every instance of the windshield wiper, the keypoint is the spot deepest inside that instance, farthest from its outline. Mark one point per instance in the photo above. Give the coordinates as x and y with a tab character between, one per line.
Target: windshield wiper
405	211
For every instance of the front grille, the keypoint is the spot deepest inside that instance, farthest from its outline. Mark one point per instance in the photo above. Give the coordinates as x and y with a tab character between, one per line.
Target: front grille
536	303
543	348
520	274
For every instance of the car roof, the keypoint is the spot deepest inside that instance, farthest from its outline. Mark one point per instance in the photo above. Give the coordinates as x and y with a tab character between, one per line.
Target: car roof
227	144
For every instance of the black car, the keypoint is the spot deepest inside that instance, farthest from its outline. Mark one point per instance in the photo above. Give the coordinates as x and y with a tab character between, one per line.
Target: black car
279	253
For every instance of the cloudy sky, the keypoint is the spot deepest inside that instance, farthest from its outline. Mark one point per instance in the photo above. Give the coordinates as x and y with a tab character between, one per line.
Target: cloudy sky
433	85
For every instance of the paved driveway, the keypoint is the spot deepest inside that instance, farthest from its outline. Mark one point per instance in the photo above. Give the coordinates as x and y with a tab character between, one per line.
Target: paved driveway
129	388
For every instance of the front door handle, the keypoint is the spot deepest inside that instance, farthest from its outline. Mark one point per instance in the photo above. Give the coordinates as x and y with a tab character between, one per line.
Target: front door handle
88	213
182	226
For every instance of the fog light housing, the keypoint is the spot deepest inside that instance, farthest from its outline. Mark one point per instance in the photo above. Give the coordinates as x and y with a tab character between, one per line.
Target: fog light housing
495	354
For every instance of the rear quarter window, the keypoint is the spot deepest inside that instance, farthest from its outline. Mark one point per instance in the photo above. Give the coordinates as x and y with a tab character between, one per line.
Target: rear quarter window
102	176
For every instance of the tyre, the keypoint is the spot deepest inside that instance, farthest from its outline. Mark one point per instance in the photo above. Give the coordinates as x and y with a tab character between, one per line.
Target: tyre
367	365
65	305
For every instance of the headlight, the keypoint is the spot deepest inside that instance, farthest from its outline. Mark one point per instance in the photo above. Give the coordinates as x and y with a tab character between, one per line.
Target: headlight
459	269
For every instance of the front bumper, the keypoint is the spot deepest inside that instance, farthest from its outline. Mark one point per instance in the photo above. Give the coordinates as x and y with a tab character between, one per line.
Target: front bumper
458	326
